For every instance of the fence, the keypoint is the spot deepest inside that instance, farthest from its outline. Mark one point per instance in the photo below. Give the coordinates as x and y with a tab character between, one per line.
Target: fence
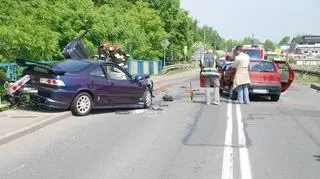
308	62
135	67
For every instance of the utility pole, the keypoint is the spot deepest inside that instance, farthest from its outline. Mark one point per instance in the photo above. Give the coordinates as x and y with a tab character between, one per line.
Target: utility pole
164	57
165	44
252	43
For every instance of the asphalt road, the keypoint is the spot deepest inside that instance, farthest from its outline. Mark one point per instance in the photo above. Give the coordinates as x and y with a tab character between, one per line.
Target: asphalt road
185	140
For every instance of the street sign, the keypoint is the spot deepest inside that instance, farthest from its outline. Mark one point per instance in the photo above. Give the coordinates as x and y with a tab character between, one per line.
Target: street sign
185	50
166	43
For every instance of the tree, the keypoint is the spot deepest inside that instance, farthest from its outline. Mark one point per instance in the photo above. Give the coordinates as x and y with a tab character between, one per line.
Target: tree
247	40
229	44
40	29
284	41
136	27
269	45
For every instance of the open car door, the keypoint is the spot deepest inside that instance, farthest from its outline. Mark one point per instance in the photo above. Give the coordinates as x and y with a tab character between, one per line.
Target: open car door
227	76
286	74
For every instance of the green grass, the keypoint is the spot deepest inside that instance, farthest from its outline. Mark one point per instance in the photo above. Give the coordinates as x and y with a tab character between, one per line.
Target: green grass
4	106
305	79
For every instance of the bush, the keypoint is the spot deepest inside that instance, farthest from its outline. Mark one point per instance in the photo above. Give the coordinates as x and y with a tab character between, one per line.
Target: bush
292	61
3	79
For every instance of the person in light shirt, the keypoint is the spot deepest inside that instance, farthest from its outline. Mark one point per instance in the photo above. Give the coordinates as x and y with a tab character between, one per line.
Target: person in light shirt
241	79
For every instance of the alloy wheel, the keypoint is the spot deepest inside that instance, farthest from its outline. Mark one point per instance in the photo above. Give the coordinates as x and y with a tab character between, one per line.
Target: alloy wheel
83	104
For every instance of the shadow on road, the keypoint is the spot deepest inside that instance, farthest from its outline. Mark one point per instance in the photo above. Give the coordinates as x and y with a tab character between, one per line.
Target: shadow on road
107	111
317	157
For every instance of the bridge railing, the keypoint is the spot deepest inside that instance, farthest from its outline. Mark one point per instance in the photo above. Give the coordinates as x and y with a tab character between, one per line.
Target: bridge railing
12	70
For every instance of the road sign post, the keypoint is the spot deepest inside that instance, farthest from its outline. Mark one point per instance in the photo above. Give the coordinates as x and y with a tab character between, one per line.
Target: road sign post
185	50
165	45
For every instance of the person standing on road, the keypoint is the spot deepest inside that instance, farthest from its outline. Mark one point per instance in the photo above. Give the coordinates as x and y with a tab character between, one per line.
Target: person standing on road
208	65
241	79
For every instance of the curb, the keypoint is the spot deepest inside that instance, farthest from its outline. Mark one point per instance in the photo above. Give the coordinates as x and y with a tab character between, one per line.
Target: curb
32	128
315	86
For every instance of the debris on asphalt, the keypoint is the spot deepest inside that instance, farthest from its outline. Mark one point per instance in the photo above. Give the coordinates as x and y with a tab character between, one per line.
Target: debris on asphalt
156	108
167	97
163	105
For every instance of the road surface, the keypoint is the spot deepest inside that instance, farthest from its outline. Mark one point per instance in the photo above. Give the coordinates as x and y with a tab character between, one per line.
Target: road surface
185	140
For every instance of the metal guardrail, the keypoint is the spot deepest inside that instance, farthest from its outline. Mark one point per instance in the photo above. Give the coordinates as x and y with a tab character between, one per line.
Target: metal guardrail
176	66
12	70
309	72
315	86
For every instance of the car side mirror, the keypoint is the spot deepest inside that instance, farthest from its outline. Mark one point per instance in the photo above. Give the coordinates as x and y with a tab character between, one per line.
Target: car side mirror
137	78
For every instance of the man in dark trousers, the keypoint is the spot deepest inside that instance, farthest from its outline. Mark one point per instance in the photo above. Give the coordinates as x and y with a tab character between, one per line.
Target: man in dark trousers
209	68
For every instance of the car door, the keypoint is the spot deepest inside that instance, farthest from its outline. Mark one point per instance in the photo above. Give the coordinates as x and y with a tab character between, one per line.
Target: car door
99	84
228	77
122	90
286	74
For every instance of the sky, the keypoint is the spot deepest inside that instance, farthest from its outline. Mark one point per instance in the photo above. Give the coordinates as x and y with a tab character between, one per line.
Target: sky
266	19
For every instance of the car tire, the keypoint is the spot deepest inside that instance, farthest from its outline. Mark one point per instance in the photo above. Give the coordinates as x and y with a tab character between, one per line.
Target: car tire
220	92
81	104
147	98
275	97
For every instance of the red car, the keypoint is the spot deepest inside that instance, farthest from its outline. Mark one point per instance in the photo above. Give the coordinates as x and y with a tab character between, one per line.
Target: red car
268	78
254	51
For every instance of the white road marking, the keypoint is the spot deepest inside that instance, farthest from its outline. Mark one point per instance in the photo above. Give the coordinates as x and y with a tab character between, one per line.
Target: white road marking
227	165
245	166
17	168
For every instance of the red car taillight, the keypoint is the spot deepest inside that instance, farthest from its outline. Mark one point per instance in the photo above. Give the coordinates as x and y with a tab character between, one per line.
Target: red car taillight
52	82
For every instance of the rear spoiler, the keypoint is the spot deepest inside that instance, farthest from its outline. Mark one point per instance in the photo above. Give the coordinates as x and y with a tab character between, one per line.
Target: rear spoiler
30	63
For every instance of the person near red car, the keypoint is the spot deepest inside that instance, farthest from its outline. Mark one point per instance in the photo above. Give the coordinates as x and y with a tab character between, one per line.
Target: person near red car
241	78
209	71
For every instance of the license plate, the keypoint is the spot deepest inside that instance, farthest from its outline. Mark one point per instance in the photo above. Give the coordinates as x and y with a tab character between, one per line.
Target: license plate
29	90
260	91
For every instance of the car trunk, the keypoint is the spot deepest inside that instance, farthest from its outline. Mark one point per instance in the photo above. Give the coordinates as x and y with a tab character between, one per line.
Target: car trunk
36	73
263	72
264	77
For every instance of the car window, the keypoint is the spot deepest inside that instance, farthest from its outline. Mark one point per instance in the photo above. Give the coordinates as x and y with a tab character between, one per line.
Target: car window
283	67
262	66
115	73
97	72
284	72
253	53
72	66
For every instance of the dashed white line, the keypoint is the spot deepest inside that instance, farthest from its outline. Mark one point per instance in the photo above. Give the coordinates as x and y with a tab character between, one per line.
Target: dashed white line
245	166
227	165
17	168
